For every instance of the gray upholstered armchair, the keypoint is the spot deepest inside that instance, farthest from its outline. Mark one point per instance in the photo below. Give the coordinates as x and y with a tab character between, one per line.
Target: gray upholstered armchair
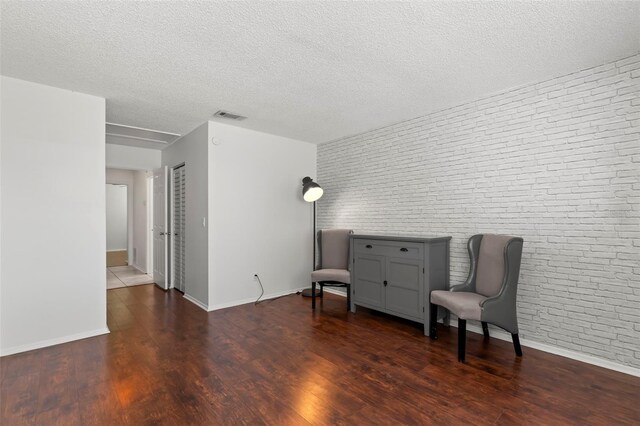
333	263
489	293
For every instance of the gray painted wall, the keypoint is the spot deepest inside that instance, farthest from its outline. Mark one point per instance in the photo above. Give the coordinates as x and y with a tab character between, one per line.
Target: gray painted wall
191	150
557	162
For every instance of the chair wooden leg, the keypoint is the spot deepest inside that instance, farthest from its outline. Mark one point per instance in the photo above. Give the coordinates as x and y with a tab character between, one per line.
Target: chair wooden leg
321	289
516	344
462	339
348	297
433	321
485	329
313	295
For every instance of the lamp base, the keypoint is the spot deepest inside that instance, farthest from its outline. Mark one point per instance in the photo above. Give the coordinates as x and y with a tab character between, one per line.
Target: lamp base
307	292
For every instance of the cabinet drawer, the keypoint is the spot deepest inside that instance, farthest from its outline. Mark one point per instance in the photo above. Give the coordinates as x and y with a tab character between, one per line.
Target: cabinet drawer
397	249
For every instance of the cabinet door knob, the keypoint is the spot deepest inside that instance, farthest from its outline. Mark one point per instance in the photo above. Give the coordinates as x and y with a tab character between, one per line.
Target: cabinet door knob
369	246
404	249
385	283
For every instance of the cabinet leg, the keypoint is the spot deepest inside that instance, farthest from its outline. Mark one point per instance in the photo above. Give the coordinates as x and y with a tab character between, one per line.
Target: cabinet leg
348	297
433	321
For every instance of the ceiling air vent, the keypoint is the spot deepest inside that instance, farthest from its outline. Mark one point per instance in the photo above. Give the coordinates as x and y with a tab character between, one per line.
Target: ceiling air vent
229	115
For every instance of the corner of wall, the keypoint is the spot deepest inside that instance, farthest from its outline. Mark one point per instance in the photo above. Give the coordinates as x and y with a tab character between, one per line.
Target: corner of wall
553	162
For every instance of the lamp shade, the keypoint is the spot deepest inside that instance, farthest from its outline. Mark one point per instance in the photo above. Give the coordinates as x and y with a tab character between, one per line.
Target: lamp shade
311	191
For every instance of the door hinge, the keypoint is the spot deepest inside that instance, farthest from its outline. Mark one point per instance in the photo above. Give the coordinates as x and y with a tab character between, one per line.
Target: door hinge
423	270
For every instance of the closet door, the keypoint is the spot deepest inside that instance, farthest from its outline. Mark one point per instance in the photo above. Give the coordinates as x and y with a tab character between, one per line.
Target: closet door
178	227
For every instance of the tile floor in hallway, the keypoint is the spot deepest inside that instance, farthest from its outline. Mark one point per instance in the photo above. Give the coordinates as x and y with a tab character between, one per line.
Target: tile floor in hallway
126	276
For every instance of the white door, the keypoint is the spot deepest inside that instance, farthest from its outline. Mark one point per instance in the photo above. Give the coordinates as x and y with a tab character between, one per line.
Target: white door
160	229
178	228
149	230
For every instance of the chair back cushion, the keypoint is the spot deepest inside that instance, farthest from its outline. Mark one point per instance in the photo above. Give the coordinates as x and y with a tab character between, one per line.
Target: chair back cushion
491	267
334	248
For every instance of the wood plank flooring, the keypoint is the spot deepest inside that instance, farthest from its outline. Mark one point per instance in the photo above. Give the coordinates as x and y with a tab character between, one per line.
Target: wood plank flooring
168	362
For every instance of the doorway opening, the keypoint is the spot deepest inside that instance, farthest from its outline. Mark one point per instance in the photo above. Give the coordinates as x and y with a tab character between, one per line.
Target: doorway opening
117	234
127	228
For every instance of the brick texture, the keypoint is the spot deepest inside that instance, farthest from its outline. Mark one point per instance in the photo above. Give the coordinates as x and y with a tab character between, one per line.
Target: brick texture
557	163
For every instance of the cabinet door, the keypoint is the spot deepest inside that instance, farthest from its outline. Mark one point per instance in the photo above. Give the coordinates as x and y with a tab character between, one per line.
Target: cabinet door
369	277
404	290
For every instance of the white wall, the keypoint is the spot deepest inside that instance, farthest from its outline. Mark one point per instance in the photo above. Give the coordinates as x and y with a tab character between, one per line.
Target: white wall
557	162
125	177
259	221
132	158
53	235
116	217
1	209
191	150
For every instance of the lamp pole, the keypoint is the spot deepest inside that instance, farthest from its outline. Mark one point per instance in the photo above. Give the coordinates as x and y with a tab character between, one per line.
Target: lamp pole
313	265
311	192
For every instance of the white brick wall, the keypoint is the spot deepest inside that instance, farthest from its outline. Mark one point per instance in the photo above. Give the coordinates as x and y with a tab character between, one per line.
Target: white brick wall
557	163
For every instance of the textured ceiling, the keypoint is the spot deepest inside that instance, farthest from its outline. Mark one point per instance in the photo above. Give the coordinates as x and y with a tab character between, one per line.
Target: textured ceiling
314	71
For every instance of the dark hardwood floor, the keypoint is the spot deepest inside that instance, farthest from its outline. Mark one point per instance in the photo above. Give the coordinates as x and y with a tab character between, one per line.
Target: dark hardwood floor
168	362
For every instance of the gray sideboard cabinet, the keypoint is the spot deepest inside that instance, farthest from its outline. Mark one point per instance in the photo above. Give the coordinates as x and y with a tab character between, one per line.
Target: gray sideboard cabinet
395	275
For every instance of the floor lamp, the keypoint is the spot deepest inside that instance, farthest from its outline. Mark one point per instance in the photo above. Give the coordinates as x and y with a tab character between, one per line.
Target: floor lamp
311	192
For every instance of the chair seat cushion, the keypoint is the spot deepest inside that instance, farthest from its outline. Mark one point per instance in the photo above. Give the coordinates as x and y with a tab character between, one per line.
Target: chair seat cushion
463	304
341	275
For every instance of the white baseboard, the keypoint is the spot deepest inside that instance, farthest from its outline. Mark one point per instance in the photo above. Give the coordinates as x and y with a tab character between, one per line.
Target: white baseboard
253	299
589	359
52	342
196	302
502	335
139	268
335	291
109	251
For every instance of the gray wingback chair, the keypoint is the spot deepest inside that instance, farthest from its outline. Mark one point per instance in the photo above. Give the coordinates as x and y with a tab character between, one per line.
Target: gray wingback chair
333	263
489	293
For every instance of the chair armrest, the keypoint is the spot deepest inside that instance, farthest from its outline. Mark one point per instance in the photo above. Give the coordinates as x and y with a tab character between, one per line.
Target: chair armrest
496	302
500	310
465	286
